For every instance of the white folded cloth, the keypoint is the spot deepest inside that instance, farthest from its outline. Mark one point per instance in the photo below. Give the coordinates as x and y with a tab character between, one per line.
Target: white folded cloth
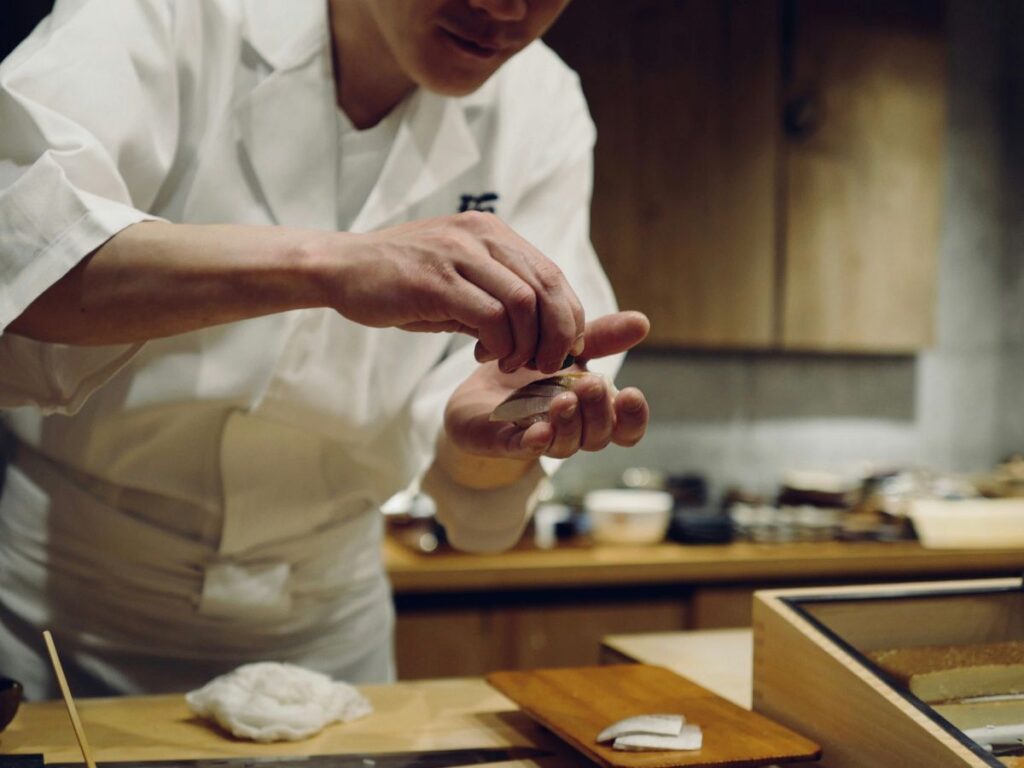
270	701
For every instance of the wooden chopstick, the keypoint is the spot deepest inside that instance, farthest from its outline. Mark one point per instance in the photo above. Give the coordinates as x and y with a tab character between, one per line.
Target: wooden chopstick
76	723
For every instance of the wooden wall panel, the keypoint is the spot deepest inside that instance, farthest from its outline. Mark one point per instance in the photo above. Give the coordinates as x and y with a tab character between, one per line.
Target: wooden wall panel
863	174
685	97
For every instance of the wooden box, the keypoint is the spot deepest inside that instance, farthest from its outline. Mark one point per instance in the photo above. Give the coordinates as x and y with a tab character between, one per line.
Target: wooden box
812	671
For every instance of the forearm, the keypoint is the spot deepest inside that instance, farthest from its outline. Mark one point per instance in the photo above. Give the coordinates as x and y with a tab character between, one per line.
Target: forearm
156	279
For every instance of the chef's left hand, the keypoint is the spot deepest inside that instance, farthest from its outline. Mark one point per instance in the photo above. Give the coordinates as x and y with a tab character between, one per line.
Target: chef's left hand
588	418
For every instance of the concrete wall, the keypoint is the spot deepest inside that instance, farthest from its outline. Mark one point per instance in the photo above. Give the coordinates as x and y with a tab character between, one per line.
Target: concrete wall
744	418
1010	402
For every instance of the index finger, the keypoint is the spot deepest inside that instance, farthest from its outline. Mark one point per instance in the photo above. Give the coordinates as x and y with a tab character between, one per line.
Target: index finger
560	319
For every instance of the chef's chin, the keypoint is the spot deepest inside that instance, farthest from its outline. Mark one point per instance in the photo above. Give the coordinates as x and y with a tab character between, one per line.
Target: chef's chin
451	70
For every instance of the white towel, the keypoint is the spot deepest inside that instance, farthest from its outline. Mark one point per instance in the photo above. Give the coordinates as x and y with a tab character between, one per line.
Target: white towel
269	701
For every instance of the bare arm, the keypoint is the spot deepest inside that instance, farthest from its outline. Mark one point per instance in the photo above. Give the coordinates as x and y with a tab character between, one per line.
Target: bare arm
156	279
468	273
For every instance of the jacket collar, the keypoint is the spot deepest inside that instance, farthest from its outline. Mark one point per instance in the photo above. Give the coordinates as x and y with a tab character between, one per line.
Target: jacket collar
288	126
434	145
285	34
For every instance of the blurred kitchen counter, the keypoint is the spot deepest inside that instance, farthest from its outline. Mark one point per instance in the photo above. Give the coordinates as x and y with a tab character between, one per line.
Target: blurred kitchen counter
461	614
668	563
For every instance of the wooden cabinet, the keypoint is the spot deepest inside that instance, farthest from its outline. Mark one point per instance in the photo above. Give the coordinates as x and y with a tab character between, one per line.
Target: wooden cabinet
768	172
863	177
684	95
472	636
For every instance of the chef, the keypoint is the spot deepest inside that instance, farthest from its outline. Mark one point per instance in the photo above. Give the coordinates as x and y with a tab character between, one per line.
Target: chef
262	265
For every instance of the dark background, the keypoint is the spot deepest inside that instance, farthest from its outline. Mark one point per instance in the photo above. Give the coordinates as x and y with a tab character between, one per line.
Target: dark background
17	19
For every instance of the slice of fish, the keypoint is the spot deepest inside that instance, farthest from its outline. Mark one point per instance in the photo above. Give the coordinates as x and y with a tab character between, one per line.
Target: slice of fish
689	737
530	404
656	725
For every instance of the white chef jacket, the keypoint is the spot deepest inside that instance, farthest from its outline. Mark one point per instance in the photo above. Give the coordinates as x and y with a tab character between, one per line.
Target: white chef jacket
212	498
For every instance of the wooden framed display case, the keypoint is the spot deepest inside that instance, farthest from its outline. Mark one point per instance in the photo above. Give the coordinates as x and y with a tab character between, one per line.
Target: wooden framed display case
815	669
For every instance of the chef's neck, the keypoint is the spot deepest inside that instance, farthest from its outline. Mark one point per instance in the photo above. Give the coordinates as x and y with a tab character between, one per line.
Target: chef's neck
368	81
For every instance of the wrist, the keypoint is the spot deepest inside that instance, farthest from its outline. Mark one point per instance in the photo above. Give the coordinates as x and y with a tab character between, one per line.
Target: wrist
478	472
323	265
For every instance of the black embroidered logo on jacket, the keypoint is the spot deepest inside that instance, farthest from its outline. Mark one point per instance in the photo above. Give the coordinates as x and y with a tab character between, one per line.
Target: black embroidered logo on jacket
484	202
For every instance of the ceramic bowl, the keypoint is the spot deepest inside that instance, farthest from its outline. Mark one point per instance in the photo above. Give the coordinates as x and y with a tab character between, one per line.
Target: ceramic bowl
628	516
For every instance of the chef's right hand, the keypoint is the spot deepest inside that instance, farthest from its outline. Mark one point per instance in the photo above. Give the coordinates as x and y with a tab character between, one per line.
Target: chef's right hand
468	273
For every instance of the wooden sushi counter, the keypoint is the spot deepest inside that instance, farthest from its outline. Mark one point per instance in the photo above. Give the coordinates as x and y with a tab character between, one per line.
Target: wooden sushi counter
408	717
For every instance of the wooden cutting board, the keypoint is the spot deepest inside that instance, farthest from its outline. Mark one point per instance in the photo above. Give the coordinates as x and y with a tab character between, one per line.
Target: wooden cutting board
577	703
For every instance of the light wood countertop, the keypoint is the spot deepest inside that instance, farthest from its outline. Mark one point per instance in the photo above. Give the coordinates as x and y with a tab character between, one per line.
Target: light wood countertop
721	660
596	566
429	715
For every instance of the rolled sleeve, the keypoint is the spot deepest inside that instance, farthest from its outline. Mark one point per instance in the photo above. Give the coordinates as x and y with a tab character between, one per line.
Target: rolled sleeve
49	226
485	521
89	108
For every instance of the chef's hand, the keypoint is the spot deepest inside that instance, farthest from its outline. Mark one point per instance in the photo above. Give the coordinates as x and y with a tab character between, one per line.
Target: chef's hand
587	418
468	273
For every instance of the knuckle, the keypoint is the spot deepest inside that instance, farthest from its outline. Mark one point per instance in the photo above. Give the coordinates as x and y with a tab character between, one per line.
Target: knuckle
493	313
476	221
549	276
522	299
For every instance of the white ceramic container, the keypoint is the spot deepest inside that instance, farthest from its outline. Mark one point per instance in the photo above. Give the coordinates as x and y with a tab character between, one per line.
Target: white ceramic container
971	523
628	516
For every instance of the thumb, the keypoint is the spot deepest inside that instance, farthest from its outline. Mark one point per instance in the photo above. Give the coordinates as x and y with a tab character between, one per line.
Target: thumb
614	333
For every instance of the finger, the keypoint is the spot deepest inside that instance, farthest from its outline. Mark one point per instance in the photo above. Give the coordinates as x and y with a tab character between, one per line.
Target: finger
480	436
632	414
474	308
614	333
559	333
519	303
532	441
561	317
565	421
598	413
483	354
